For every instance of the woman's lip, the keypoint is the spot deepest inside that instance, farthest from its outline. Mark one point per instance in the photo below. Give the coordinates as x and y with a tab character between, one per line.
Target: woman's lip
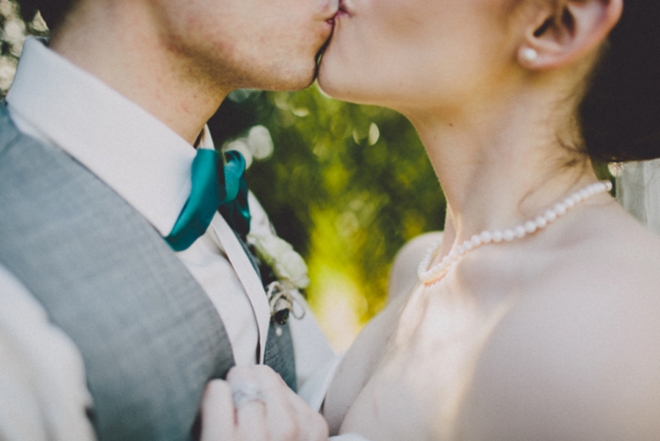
344	9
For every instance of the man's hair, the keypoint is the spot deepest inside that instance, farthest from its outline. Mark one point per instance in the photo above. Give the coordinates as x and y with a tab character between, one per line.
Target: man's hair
52	11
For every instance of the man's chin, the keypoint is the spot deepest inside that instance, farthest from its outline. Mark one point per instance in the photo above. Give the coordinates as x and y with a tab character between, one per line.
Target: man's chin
285	82
321	51
295	81
292	87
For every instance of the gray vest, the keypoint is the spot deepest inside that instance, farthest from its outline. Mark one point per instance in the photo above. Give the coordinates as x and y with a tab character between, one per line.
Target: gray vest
150	337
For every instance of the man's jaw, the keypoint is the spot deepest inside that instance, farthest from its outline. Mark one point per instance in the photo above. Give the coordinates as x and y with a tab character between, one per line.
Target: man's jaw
319	54
332	21
331	9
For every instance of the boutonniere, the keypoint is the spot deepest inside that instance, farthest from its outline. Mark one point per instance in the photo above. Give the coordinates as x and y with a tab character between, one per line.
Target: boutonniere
289	270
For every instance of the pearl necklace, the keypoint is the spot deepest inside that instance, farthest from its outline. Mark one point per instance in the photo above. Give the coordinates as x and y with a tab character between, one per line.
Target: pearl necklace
437	272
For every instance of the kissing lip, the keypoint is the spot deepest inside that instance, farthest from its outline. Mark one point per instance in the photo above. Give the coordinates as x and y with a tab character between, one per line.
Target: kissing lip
344	8
332	13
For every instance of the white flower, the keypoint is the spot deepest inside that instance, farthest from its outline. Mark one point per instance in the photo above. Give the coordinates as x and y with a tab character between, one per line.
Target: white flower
269	247
291	266
277	253
14	31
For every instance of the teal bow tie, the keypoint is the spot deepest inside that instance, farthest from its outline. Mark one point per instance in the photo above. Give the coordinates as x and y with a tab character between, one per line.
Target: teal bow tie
217	184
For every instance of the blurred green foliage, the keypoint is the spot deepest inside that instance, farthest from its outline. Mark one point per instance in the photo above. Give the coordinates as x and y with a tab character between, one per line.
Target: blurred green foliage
347	185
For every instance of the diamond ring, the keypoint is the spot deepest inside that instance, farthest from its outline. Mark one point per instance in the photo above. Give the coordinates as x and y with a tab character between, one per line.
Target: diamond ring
245	393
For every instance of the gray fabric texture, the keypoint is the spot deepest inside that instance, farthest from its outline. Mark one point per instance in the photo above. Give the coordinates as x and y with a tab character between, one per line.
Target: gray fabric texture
279	353
150	337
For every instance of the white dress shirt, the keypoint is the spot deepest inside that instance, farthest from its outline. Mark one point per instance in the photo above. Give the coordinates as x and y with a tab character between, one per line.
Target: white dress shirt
148	165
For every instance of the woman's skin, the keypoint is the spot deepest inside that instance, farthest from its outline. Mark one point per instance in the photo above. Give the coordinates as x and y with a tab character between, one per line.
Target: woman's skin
554	336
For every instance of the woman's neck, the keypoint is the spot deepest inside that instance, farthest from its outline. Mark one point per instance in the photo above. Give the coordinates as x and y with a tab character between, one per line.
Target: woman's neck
499	165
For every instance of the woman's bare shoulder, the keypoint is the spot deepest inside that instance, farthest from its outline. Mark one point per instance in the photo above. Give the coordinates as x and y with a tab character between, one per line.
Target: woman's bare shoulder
578	356
622	258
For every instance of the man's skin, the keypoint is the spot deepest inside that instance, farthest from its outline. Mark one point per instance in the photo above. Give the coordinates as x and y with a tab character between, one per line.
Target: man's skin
178	59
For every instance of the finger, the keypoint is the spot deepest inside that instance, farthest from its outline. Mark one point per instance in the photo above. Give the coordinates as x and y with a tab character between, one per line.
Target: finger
283	421
218	419
286	411
251	421
312	425
287	417
279	418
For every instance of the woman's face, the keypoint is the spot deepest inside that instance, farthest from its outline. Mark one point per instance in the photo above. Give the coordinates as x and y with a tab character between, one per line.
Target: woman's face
411	54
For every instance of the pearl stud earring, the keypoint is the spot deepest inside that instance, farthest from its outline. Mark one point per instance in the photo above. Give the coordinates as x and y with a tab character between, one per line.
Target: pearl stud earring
529	55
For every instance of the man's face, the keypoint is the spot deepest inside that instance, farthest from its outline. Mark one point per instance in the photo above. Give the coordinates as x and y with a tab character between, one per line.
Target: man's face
260	44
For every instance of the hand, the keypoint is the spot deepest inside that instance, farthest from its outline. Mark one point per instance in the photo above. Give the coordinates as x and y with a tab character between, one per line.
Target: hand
266	409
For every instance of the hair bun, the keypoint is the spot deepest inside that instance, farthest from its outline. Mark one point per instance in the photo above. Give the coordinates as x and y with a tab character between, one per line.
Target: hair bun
621	113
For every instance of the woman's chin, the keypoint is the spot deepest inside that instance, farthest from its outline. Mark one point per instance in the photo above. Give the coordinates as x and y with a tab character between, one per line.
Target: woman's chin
329	82
337	83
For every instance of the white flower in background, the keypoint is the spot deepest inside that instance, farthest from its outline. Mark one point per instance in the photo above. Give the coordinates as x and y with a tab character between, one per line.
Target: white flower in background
240	145
6	7
13	31
374	134
258	144
12	34
240	95
7	71
285	262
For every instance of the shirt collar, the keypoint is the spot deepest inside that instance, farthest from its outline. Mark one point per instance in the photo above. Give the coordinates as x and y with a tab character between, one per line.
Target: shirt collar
132	151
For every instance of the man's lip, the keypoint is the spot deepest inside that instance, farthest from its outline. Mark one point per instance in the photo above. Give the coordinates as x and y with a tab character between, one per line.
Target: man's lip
333	12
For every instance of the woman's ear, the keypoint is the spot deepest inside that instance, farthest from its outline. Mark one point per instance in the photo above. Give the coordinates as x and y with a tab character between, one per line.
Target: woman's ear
563	31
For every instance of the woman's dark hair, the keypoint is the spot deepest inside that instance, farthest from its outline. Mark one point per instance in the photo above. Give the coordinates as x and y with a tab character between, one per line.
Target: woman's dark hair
621	113
52	11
